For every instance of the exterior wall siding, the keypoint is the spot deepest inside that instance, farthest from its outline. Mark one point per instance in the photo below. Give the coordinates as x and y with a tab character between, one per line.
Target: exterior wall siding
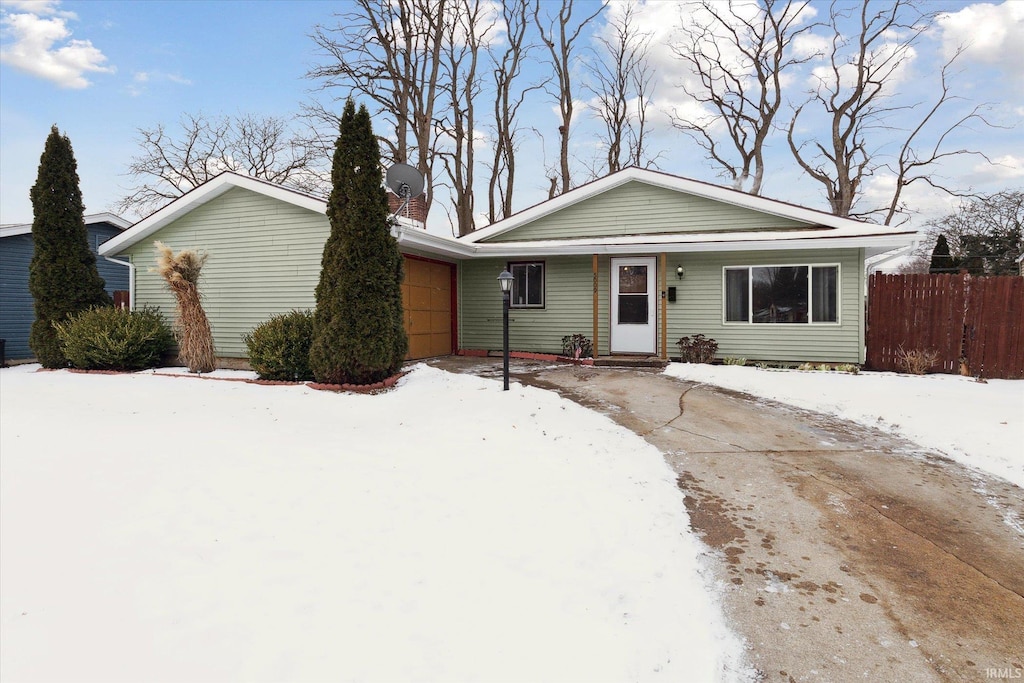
17	309
697	309
264	260
16	306
568	306
638	208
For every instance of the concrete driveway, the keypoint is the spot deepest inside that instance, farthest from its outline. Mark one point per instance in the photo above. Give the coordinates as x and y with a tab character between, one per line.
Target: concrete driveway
844	553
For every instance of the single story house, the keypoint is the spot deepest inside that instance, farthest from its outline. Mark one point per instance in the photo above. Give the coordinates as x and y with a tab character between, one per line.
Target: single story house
17	309
634	260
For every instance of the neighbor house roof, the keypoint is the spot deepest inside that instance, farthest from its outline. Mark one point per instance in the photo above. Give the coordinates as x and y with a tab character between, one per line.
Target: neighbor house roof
91	219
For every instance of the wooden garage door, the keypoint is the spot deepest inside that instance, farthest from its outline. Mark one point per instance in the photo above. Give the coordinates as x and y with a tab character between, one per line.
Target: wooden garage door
427	299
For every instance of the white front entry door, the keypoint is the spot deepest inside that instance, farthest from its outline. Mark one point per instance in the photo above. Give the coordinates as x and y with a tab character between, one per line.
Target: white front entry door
634	328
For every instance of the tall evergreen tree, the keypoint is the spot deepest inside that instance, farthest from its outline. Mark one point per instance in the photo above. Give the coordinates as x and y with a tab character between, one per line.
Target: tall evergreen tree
62	277
358	331
941	261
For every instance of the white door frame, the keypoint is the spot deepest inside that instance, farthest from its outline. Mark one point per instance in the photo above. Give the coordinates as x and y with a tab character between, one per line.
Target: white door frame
639	337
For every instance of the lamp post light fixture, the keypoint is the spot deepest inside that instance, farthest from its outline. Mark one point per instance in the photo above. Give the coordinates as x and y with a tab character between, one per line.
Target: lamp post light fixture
505	280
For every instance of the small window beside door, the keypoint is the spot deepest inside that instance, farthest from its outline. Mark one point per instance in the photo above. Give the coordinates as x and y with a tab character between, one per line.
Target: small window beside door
527	284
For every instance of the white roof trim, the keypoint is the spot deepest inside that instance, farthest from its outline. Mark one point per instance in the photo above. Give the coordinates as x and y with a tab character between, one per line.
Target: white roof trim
667	181
709	243
91	219
860	236
198	196
418	238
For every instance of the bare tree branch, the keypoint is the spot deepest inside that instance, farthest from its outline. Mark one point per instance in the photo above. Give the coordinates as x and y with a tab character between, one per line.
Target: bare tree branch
263	147
390	52
508	66
858	100
740	63
621	75
559	35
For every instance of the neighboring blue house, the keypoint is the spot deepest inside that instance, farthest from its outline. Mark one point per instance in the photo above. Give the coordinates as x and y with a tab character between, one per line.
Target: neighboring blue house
16	248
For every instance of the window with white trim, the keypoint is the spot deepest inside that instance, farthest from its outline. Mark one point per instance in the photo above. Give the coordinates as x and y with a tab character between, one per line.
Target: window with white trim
782	294
527	284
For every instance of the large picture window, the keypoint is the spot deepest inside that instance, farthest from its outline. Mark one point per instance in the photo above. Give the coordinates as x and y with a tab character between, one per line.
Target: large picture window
782	294
527	285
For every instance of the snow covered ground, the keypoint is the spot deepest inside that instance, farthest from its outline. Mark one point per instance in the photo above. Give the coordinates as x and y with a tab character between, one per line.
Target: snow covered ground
168	529
978	424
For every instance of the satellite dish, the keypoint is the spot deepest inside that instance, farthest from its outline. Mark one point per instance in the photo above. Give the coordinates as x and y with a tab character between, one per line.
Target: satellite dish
405	181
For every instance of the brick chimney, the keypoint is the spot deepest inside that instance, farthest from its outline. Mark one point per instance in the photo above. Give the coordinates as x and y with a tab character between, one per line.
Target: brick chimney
416	211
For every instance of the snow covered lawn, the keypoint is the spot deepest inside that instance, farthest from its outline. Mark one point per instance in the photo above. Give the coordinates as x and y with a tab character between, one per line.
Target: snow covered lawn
176	529
978	424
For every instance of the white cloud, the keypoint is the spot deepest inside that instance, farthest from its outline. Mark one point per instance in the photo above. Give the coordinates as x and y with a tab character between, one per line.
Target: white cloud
991	34
43	46
39	7
1004	168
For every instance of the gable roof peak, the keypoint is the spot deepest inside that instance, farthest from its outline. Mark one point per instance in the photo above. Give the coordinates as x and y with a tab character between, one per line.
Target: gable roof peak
668	181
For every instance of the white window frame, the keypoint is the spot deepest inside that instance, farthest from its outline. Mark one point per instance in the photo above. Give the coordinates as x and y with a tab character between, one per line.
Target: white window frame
810	294
543	284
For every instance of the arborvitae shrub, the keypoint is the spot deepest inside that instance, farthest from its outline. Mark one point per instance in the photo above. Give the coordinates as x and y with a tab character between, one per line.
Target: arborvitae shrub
358	331
109	338
62	277
279	347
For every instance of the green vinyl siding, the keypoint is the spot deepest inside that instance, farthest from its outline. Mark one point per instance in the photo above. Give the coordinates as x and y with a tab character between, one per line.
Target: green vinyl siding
264	259
698	308
637	208
568	306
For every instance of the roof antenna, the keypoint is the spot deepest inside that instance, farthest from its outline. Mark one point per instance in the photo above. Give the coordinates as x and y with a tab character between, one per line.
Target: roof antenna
406	182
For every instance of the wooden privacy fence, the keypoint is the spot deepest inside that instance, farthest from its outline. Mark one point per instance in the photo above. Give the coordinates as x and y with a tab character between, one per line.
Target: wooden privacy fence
977	321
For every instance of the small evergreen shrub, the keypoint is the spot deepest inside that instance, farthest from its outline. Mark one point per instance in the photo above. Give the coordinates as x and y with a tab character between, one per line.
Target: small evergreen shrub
577	346
279	347
735	361
108	338
697	349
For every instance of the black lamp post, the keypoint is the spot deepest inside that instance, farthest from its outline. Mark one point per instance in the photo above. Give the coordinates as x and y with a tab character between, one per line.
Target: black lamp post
505	280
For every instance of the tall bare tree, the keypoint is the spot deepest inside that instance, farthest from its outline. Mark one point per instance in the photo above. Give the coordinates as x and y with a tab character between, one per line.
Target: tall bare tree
469	26
622	74
856	96
173	162
508	97
739	53
390	52
559	34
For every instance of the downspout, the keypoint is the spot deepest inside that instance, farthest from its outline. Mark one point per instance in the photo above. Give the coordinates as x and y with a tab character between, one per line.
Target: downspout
131	280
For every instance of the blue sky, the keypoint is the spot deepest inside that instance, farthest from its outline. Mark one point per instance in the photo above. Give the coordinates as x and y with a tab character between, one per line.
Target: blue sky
101	70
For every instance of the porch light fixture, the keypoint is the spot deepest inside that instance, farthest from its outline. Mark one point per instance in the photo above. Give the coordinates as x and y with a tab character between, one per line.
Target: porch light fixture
680	272
505	280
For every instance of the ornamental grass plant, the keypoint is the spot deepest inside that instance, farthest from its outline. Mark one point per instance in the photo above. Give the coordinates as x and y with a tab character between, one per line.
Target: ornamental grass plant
191	326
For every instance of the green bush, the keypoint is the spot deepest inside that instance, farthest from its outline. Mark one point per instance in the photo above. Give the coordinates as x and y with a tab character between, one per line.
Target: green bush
108	338
577	346
279	347
735	361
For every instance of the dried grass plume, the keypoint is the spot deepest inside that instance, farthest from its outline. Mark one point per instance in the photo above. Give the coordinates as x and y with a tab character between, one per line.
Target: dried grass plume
191	326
